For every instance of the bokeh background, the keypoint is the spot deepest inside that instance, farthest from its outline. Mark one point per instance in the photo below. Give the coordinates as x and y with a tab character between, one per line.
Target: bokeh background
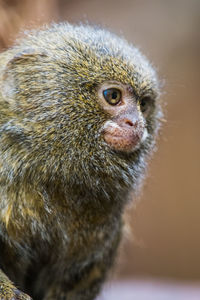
164	237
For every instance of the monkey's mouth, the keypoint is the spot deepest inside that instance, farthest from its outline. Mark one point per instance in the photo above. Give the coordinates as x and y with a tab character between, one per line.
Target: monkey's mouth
121	139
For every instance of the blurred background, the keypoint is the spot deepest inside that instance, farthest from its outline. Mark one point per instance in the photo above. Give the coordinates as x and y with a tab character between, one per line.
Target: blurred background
164	238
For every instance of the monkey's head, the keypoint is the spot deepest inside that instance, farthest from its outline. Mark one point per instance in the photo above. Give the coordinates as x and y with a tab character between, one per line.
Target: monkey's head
80	104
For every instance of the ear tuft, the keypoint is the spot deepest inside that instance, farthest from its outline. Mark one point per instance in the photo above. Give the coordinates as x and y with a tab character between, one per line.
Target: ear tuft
15	68
27	54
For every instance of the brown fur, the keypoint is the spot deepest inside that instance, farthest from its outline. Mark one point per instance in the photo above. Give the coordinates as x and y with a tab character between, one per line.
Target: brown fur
62	188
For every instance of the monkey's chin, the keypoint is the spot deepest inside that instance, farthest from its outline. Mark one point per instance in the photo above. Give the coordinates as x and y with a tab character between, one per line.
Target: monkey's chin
123	143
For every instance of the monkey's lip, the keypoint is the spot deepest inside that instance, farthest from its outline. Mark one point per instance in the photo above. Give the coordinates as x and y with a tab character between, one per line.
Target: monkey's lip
123	141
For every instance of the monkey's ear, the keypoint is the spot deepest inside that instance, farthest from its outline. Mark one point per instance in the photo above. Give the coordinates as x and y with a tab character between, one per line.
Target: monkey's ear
16	70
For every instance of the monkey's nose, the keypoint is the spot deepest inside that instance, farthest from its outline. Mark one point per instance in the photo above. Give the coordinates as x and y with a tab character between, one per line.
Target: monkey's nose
127	123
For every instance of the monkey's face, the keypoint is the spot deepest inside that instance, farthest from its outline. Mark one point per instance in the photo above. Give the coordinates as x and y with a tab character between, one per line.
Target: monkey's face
126	129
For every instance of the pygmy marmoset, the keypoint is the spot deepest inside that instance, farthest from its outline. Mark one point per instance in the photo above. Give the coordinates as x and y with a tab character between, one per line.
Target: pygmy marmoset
79	113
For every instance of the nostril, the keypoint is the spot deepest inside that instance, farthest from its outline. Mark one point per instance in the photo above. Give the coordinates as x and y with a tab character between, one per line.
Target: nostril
128	122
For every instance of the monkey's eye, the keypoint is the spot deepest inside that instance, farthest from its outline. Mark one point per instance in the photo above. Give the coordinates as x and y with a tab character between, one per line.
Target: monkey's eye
112	96
145	104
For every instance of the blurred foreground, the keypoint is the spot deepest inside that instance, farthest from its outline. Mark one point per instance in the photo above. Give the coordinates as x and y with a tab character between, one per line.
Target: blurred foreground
150	290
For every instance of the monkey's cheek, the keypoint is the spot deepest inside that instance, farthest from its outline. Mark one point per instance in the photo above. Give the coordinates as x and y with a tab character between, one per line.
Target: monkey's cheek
125	143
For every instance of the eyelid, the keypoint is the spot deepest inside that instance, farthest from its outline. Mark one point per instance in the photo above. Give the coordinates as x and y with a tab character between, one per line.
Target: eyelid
107	87
150	95
113	84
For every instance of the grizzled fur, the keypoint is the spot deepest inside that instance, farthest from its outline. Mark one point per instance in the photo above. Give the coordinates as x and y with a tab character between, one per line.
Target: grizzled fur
62	189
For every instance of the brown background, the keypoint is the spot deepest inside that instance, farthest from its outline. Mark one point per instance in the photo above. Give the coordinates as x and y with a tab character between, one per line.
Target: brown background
165	224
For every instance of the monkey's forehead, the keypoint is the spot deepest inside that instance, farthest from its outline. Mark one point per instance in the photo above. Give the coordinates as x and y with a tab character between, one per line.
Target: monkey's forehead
95	53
